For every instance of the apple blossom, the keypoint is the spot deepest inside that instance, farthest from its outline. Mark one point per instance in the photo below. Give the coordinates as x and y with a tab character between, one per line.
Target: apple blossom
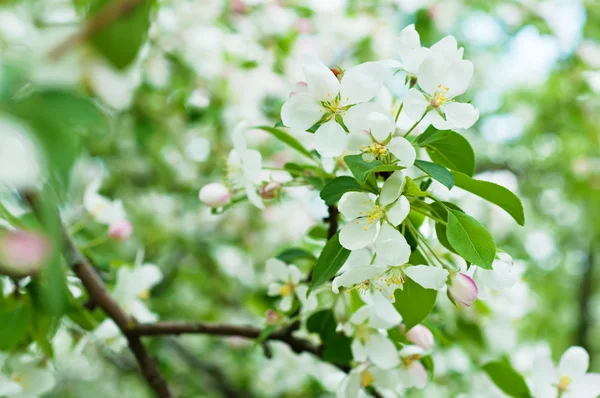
244	165
22	253
101	208
133	286
214	195
22	377
368	375
413	372
421	336
285	280
462	289
120	230
502	276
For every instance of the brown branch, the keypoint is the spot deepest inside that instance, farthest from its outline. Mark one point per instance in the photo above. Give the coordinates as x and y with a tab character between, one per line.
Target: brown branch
104	18
332	220
98	294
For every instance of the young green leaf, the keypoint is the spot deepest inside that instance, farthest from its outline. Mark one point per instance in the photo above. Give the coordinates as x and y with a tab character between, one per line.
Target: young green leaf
332	258
334	189
15	316
493	193
287	139
470	239
454	152
431	135
414	303
507	379
439	173
336	346
361	170
288	256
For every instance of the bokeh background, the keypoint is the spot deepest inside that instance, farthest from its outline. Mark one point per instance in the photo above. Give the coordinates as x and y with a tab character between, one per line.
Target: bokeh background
207	64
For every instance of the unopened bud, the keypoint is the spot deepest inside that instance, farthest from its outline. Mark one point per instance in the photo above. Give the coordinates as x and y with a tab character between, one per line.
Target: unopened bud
273	317
420	336
22	253
120	230
214	195
269	190
462	289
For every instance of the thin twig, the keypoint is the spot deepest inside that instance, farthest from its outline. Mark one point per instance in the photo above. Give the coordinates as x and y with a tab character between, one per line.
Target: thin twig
104	18
332	219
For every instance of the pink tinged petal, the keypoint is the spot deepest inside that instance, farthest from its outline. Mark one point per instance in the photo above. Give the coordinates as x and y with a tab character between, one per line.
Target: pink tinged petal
22	253
438	122
356	204
322	83
461	115
427	276
357	234
357	117
392	188
330	139
122	230
391	246
355	276
362	82
381	126
415	104
356	141
574	362
432	73
420	336
301	112
399	211
382	351
457	78
417	374
463	289
403	150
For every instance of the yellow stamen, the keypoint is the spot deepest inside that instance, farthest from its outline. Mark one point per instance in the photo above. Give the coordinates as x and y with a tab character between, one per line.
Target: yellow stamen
376	149
287	289
563	383
144	294
439	98
366	378
407	361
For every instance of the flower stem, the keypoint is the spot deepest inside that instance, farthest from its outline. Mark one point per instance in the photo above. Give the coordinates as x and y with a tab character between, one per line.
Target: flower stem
415	125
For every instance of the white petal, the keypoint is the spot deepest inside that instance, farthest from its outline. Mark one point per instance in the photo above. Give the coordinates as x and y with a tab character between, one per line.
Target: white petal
8	387
428	277
392	188
415	104
461	115
357	234
359	350
301	111
403	150
356	204
417	374
253	196
238	137
574	362
349	387
501	277
295	275
330	139
381	126
432	72
286	303
356	141
357	117
361	315
362	82
438	122
391	246
146	276
457	78
384	315
358	258
411	52
586	387
448	48
382	351
399	211
274	289
355	276
277	270
322	83
252	164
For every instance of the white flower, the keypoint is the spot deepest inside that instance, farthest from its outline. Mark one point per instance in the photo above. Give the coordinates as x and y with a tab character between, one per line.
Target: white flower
244	166
109	335
413	373
21	377
441	82
101	208
19	155
570	380
365	214
385	381
372	134
411	52
133	286
285	283
214	195
502	275
324	97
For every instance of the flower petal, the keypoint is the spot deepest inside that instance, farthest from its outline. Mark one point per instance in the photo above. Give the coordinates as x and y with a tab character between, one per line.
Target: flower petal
411	52
461	115
356	204
399	211
277	270
391	246
432	73
286	303
586	387
574	362
322	83
382	351
253	196
383	313
427	276
355	276
403	150
356	141
448	48
392	188
349	387
357	234
252	164
359	350
415	104
357	117
330	139
301	112
381	126
437	121
362	82
457	78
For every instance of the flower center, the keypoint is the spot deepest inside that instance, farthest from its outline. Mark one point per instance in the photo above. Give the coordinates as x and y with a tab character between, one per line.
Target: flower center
287	289
144	294
366	378
439	98
407	361
332	107
17	378
361	287
376	149
394	279
563	383
374	215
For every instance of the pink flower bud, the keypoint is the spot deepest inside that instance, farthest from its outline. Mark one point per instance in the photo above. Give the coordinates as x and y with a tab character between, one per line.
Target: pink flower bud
303	25
273	317
22	253
462	289
214	195
120	230
269	190
420	336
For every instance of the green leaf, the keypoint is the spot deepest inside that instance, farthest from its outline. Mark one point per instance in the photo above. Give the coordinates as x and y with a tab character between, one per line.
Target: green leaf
430	136
361	170
332	258
318	232
287	139
414	303
336	346
470	239
412	189
121	40
454	152
15	318
440	231
439	173
334	189
493	193
288	256
507	379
